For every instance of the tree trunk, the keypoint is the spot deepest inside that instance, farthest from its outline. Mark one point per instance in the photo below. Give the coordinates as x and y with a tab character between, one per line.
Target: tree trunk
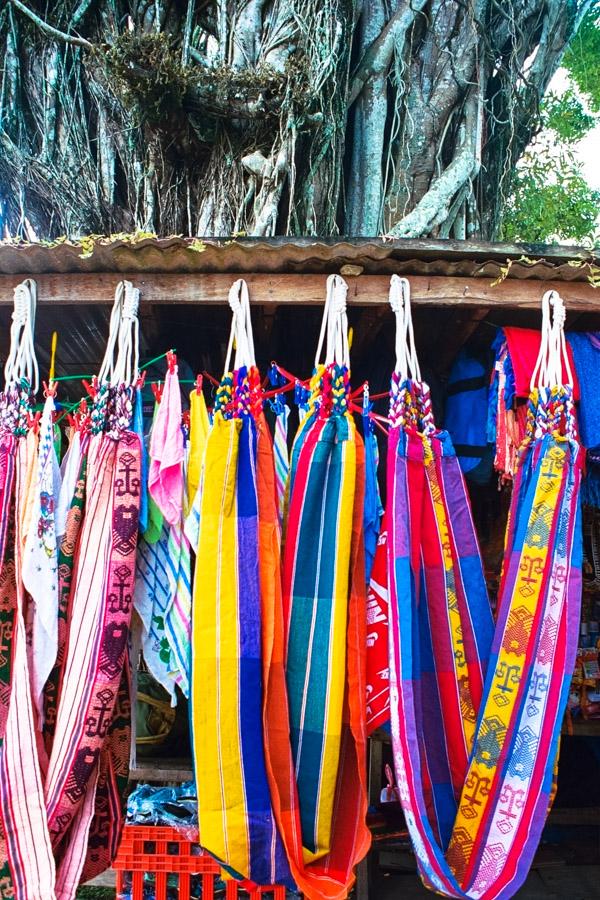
213	117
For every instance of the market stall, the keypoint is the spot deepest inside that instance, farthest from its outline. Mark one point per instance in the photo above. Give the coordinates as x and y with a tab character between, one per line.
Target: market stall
185	312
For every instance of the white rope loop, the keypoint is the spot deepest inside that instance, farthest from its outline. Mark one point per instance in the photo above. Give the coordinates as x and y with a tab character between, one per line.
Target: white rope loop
126	369
247	324
407	362
334	325
21	362
241	328
121	358
552	356
107	367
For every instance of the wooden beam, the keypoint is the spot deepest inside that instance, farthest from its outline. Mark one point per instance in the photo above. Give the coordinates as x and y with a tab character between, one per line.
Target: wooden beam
270	289
170	770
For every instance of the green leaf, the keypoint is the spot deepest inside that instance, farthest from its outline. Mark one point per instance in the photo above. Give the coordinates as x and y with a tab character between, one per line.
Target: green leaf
550	201
582	58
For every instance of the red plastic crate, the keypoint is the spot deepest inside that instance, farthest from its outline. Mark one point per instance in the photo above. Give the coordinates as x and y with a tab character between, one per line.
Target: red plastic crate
164	851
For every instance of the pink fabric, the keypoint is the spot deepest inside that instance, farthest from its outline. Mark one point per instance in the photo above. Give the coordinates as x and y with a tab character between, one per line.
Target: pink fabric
165	478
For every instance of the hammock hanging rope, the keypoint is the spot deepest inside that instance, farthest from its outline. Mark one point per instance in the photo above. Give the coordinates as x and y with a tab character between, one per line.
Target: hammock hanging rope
476	712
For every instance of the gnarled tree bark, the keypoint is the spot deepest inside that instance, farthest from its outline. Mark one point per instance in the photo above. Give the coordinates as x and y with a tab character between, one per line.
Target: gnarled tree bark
209	117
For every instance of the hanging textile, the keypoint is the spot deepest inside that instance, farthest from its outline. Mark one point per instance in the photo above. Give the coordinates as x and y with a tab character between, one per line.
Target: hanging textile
100	613
138	427
66	560
516	350
69	470
318	637
162	596
234	805
40	561
373	509
165	475
151	600
586	355
27	870
178	614
377	665
280	450
466	414
476	716
199	431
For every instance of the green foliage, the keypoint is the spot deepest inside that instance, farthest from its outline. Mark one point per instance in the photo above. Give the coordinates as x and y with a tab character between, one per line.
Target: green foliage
582	59
566	116
551	201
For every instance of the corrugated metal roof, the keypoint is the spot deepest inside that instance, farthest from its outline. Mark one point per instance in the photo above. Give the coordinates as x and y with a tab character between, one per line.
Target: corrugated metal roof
302	255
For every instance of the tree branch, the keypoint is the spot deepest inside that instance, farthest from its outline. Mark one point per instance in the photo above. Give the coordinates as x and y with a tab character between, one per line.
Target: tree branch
434	206
49	29
378	56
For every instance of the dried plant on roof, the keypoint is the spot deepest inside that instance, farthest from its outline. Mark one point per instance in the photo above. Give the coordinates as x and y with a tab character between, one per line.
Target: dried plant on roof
264	117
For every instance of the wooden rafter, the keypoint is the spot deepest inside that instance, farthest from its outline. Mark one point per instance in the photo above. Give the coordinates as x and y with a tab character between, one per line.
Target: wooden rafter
269	289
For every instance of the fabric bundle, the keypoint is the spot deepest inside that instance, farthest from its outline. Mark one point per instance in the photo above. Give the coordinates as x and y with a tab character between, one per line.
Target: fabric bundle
476	711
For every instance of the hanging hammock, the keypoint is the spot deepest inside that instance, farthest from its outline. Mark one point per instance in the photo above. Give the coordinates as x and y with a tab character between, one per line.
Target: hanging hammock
315	689
476	713
27	868
88	765
236	820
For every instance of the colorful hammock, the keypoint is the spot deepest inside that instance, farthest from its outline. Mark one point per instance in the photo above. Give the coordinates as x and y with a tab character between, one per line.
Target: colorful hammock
27	870
319	788
476	719
90	751
236	819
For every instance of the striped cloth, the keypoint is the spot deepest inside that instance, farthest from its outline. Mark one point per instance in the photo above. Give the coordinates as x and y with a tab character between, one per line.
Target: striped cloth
40	562
281	456
476	716
324	613
373	508
199	428
178	614
151	599
66	561
8	597
235	814
28	868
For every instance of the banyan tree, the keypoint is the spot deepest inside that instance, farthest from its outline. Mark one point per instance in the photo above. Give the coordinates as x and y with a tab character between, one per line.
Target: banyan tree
264	117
